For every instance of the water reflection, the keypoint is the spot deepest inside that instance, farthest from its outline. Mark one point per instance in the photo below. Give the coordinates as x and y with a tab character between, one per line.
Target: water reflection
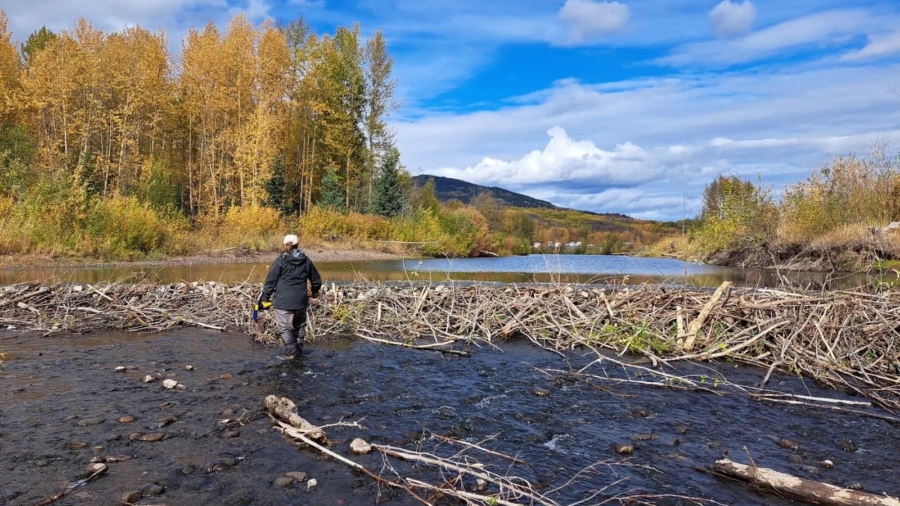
596	269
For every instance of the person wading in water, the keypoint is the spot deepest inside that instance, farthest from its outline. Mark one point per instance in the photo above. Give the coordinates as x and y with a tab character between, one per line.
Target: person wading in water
288	279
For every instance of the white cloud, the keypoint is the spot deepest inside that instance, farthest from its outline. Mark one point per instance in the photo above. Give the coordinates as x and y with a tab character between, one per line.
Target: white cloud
730	19
722	142
567	161
879	46
817	30
589	19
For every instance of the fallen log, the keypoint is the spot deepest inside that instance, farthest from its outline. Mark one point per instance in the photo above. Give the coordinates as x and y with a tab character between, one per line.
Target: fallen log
286	410
799	488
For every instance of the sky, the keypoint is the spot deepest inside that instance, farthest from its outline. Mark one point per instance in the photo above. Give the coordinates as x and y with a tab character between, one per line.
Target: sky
609	106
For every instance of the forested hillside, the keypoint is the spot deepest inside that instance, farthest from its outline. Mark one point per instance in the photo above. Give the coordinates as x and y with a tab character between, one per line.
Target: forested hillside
447	188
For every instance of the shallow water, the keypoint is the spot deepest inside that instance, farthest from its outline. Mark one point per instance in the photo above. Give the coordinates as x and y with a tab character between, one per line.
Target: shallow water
59	394
600	269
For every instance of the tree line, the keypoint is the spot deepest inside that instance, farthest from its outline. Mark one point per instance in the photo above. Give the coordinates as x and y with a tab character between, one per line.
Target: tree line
245	116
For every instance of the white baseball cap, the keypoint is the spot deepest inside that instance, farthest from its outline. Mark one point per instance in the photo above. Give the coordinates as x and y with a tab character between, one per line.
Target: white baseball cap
291	239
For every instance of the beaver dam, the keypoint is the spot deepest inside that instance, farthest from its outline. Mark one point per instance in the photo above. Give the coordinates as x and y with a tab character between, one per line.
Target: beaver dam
637	386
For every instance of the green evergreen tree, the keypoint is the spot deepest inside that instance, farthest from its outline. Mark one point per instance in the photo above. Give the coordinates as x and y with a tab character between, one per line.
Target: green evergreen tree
36	42
389	199
275	188
330	193
87	173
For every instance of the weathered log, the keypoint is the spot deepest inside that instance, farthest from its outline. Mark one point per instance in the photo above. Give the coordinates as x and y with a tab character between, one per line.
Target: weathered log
695	325
286	410
799	488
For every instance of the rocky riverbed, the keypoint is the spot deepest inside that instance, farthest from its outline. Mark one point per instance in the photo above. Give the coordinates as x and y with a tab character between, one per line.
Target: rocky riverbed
67	402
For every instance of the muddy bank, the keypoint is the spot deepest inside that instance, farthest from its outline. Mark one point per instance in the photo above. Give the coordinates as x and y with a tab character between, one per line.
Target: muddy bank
62	404
850	258
224	256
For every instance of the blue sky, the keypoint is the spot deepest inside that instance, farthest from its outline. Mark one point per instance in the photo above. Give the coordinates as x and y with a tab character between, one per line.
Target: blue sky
628	106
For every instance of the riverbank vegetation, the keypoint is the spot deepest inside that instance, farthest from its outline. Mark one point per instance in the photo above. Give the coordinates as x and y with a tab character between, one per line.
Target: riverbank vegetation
837	219
841	339
113	148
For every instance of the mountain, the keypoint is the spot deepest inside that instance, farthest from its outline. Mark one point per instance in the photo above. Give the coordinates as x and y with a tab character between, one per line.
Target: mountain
448	188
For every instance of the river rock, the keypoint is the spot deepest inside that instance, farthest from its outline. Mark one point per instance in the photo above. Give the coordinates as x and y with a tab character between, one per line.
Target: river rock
152	438
788	444
187	470
311	484
119	369
78	446
480	485
152	490
221	465
826	464
133	496
97	460
299	476
97	467
135	436
283	482
90	421
360	447
188	367
116	458
180	387
150	378
225	376
231	433
795	459
623	448
540	392
169	384
126	419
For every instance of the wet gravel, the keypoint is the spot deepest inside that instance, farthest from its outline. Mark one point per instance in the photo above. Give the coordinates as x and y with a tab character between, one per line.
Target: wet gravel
64	405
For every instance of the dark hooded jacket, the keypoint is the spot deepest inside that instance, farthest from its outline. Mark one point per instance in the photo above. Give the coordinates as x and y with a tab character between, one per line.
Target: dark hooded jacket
287	278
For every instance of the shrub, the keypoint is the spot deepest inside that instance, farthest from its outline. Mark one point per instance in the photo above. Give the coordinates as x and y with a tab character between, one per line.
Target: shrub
124	227
848	191
735	213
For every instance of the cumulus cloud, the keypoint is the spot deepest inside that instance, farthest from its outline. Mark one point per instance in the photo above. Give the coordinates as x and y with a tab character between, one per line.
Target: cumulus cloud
588	19
731	19
565	161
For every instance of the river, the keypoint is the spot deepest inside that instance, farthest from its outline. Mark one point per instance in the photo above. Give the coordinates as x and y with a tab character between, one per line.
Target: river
600	269
61	402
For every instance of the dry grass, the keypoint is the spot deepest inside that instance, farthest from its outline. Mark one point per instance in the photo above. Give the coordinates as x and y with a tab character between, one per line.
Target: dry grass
859	236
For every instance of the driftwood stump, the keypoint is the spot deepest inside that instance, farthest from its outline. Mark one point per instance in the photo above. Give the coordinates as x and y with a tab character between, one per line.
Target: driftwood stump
806	490
285	410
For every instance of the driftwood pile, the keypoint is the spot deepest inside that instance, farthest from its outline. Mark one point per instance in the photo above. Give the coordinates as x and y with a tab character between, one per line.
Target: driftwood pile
844	339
